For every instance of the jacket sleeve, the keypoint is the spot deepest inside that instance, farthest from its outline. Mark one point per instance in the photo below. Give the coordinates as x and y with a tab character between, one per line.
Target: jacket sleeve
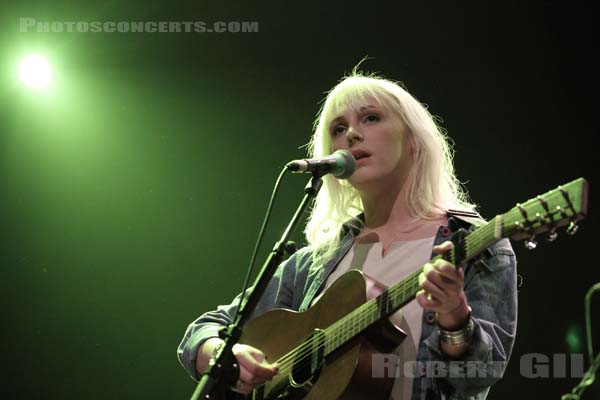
492	294
279	294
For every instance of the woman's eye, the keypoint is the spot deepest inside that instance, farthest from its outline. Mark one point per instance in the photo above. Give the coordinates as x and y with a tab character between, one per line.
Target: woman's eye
338	130
372	118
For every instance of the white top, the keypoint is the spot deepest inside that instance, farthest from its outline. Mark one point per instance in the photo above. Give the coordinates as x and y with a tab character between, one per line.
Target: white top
402	258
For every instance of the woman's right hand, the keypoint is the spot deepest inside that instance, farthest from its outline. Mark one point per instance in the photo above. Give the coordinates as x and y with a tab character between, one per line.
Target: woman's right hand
254	368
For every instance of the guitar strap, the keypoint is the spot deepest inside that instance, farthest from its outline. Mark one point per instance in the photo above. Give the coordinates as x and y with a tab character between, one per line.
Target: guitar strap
463	219
456	219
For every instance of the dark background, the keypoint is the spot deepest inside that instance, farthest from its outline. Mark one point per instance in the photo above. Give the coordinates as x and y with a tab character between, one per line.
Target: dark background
132	190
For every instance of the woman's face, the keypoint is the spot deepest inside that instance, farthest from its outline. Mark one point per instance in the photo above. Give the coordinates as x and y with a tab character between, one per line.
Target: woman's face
379	141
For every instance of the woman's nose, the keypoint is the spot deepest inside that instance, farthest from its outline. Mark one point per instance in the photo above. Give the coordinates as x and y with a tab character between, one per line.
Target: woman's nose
353	136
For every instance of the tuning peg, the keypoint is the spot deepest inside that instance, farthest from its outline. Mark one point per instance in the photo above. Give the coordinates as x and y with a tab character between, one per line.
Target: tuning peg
531	243
572	228
552	235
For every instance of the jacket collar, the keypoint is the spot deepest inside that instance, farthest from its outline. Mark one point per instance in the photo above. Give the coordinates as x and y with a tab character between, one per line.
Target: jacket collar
352	228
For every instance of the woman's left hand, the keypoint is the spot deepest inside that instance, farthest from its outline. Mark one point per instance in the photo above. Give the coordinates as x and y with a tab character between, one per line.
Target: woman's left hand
442	290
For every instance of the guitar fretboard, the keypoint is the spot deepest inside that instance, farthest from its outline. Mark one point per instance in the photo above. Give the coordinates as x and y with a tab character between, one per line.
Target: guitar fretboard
404	292
553	209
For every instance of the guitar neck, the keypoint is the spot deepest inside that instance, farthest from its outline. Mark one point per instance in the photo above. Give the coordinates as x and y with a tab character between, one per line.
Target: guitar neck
561	206
404	292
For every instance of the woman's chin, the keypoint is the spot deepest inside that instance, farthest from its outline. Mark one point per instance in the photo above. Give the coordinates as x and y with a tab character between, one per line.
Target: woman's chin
361	179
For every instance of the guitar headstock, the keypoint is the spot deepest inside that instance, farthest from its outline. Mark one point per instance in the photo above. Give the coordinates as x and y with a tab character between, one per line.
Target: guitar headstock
562	206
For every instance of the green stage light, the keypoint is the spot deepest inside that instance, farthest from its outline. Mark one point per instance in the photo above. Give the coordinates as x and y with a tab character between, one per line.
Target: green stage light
574	338
35	71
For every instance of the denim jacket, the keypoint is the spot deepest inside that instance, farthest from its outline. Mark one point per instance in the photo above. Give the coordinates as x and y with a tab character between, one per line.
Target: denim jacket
490	288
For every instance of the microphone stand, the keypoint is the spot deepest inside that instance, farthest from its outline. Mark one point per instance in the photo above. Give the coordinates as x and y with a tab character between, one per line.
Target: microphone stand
223	368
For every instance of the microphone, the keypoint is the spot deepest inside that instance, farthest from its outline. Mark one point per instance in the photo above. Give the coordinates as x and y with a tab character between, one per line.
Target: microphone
340	164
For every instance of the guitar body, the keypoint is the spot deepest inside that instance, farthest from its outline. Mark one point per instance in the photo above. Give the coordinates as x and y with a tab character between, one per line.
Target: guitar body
345	373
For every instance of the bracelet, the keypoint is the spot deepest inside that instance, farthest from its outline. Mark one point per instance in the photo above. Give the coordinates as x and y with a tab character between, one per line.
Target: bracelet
460	337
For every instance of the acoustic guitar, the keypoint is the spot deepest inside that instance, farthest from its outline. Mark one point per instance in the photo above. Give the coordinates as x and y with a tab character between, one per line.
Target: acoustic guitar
325	352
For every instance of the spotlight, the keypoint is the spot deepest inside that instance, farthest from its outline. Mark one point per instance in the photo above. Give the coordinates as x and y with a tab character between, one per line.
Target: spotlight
35	71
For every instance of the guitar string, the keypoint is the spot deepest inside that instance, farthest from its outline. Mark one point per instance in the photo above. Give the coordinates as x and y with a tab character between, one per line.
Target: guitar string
342	325
360	317
477	240
371	312
338	332
364	314
474	241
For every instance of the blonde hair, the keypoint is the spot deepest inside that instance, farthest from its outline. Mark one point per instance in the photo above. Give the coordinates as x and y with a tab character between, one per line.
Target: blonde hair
432	184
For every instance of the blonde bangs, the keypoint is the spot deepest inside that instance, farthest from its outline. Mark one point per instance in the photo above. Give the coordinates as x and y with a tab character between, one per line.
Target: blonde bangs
351	94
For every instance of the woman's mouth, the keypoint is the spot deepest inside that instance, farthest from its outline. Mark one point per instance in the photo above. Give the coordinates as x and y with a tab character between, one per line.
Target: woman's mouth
362	160
360	155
